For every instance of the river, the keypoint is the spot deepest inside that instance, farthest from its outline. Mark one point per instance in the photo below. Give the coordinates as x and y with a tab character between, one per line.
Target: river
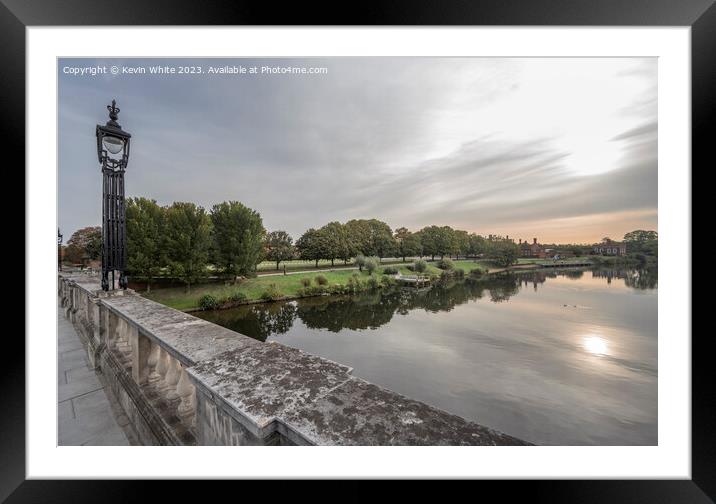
551	357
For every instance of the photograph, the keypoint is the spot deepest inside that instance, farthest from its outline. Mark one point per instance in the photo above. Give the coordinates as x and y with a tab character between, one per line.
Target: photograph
358	250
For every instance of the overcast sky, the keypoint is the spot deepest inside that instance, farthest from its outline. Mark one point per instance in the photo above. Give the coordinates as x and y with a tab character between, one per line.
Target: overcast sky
561	149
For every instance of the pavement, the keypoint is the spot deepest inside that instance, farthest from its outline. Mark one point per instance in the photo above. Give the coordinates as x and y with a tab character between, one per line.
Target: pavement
86	416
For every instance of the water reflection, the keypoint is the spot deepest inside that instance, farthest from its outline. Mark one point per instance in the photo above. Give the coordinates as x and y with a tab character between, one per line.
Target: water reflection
595	345
373	310
553	357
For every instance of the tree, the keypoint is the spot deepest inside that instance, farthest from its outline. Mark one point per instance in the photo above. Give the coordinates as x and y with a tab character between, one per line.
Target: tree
420	266
445	241
85	244
382	241
238	237
279	247
477	245
309	246
461	242
370	237
407	243
360	261
333	239
145	223
358	234
503	252
642	242
429	239
187	241
371	264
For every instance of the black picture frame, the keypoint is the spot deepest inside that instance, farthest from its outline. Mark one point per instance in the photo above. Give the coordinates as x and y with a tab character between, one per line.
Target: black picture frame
700	15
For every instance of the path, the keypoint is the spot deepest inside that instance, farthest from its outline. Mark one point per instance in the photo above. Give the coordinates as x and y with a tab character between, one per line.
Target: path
85	415
316	271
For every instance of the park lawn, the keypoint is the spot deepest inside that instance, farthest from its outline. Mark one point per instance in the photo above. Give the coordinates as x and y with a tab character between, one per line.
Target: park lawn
300	264
431	270
252	288
468	265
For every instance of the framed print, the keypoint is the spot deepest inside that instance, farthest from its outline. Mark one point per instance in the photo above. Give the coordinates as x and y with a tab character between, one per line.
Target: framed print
425	245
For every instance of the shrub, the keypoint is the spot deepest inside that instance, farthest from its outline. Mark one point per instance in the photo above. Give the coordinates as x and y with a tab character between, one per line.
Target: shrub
301	292
354	284
306	282
337	289
459	274
372	283
371	265
317	290
420	266
208	302
236	297
387	281
476	273
411	267
321	280
272	293
445	264
390	270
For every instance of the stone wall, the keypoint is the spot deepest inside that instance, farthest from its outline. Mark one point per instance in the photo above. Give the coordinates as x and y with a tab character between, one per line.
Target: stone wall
184	381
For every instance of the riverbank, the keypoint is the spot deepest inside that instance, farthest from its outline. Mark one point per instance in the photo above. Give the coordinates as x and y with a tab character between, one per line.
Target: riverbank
340	281
295	285
301	284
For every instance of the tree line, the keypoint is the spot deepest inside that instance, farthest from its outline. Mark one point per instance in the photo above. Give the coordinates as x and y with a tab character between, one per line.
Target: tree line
186	241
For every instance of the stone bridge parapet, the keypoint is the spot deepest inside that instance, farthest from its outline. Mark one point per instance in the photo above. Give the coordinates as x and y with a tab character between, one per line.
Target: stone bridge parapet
185	381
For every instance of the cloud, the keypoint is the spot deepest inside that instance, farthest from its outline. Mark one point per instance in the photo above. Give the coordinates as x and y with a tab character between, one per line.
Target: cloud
483	144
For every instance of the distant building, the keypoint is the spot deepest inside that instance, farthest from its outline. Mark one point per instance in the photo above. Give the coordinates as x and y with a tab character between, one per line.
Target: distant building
610	247
533	249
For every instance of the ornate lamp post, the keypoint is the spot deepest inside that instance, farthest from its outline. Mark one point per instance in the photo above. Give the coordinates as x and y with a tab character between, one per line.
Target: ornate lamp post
113	154
59	249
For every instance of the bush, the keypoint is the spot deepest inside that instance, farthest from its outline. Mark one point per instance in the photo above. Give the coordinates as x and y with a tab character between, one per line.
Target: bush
337	289
476	273
208	302
236	297
459	274
272	293
354	284
410	267
306	282
390	270
445	264
321	280
317	290
420	266
387	281
371	265
372	283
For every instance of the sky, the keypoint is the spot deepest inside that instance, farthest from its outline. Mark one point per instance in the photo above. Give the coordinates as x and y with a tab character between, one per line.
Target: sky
559	149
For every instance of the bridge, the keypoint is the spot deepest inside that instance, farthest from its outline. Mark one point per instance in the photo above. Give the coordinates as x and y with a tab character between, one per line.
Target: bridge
181	380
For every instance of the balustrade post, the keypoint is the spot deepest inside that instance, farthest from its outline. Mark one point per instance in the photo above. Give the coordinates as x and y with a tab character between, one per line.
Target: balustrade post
187	406
122	341
152	361
141	346
172	378
162	368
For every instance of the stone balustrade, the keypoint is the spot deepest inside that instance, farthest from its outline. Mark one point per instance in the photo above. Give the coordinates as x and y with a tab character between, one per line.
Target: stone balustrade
182	381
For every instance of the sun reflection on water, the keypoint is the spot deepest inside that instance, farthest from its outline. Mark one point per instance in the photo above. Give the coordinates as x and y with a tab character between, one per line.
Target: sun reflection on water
595	345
